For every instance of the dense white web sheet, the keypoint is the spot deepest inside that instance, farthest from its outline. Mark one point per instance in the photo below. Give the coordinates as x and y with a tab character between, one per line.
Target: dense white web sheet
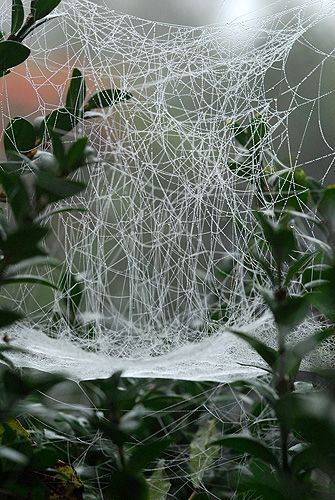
163	208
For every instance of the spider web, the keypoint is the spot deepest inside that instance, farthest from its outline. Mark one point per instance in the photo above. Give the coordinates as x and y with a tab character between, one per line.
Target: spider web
163	209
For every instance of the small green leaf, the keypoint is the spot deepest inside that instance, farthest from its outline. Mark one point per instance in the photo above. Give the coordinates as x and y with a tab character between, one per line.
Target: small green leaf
107	98
13	456
19	136
143	455
76	94
12	54
269	355
252	446
17	16
42	8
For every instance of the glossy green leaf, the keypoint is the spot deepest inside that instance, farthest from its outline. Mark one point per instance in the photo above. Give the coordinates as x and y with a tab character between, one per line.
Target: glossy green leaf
76	93
292	190
12	54
252	446
269	355
107	98
42	8
17	16
19	136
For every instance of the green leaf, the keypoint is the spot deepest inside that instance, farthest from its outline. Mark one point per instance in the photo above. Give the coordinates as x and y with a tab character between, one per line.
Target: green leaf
159	484
13	456
76	94
278	236
19	136
316	189
297	267
107	98
51	188
23	243
29	263
289	312
75	157
124	486
252	446
72	288
326	208
249	136
61	121
42	8
12	54
292	190
269	355
17	195
201	455
17	16
8	317
27	278
144	454
304	347
322	296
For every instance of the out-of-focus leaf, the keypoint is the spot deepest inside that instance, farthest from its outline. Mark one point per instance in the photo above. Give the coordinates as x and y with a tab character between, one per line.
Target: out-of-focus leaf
12	54
201	454
107	98
53	188
13	455
75	157
143	455
42	8
27	278
159	484
252	446
297	267
8	317
124	486
322	296
24	243
17	16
